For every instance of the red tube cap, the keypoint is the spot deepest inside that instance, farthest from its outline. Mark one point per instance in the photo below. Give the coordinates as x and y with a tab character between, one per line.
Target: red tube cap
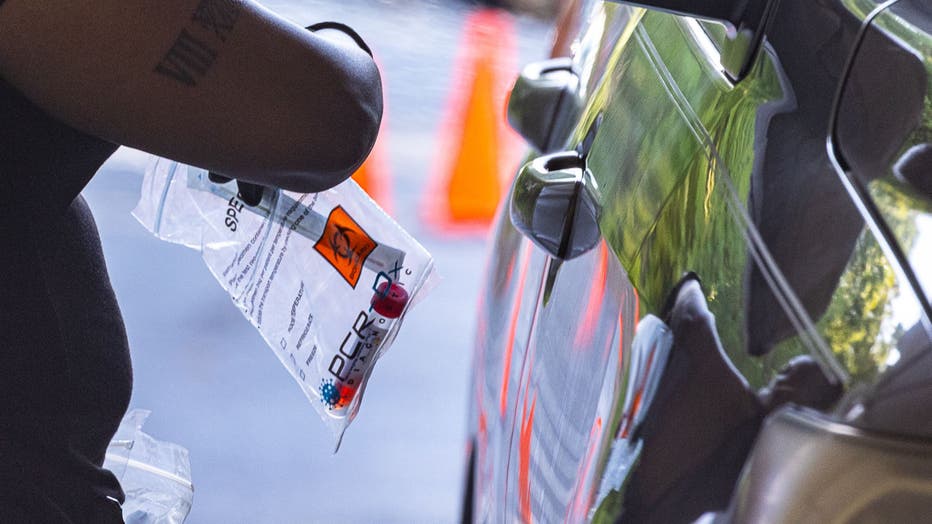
390	300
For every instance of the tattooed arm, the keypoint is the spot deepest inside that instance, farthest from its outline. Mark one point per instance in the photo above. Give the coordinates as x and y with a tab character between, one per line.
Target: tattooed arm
222	84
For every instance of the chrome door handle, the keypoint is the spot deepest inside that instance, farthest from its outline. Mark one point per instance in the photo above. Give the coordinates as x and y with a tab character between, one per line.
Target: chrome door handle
544	103
555	203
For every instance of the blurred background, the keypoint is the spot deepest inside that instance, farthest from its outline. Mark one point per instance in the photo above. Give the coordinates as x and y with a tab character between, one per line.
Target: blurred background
258	451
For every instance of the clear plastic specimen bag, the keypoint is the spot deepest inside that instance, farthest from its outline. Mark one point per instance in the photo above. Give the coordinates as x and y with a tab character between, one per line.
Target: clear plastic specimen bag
325	277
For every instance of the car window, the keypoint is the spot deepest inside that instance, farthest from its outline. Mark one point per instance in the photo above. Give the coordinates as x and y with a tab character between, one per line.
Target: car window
883	132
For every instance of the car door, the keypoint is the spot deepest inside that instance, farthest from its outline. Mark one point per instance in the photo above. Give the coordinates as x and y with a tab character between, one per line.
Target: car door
811	306
568	386
870	449
672	164
525	374
557	396
881	145
707	148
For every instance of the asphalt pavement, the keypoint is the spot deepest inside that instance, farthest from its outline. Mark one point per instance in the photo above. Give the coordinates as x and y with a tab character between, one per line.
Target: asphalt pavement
259	453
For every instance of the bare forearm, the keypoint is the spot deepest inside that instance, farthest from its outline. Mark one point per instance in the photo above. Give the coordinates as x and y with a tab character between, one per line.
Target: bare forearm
221	84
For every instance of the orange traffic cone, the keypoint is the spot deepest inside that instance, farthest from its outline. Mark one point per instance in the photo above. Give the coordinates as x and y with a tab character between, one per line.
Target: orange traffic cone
373	175
477	147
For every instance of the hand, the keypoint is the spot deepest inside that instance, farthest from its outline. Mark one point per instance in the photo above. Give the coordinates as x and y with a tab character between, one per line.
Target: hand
249	193
307	103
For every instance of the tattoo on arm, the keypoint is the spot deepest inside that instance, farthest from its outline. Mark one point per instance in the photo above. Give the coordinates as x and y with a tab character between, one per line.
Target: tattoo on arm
218	16
195	51
188	59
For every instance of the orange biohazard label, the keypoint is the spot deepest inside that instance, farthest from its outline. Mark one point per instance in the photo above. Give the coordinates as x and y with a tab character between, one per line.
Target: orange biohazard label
345	245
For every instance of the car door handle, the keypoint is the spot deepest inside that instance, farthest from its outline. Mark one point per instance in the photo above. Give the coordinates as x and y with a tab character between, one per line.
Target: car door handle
555	203
545	103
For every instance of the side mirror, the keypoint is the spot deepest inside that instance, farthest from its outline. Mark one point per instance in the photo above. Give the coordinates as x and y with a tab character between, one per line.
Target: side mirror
544	103
555	204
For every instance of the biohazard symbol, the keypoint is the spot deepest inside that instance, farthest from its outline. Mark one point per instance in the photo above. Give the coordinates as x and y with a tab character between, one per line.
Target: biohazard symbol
345	245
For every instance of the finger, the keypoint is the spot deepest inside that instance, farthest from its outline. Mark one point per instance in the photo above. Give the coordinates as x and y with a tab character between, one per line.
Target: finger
217	179
250	194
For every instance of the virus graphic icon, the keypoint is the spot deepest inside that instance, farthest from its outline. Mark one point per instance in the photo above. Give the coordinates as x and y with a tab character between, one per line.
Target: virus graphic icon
329	394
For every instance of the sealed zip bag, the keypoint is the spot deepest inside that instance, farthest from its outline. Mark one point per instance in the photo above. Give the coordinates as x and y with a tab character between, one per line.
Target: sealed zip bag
154	475
325	277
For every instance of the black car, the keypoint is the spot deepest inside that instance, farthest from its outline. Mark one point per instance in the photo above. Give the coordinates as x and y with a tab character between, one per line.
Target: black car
709	294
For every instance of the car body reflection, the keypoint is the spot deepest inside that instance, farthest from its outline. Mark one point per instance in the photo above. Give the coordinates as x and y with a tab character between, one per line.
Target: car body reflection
791	196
